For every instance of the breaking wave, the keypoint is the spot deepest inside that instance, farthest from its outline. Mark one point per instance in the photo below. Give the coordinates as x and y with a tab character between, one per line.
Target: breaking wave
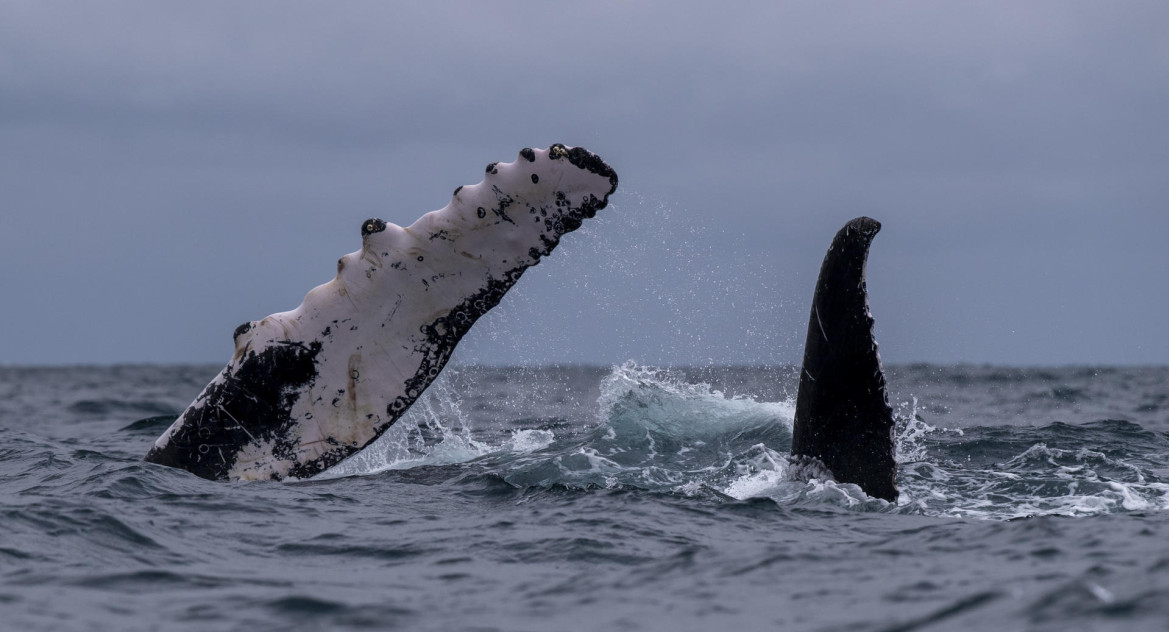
654	430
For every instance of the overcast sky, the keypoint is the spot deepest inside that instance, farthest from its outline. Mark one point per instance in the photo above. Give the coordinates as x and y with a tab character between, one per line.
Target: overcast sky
169	170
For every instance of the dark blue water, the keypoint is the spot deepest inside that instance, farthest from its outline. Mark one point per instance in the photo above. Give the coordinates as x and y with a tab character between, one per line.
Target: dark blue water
618	498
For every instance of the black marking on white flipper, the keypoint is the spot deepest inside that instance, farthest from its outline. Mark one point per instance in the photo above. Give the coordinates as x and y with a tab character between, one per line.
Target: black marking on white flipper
843	418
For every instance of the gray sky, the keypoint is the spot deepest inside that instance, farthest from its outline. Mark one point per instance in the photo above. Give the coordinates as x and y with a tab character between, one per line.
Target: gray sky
170	170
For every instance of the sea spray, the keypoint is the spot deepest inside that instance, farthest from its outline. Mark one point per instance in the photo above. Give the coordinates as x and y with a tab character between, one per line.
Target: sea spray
652	429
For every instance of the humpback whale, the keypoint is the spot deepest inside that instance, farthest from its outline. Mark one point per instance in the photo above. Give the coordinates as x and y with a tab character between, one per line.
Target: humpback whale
307	388
843	420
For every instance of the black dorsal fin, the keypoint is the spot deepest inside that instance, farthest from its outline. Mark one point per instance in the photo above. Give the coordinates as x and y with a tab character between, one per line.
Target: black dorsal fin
843	417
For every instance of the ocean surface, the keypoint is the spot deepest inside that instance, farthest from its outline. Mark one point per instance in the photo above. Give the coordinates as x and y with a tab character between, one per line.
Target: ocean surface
599	498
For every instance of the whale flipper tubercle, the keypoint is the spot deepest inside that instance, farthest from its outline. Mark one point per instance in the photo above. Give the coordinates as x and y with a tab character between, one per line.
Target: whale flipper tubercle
843	418
312	386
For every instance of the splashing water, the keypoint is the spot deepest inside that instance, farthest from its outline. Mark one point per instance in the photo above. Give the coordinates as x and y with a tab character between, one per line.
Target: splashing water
652	429
433	432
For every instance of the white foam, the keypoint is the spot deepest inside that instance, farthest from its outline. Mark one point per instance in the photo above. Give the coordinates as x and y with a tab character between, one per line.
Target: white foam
526	441
663	403
433	432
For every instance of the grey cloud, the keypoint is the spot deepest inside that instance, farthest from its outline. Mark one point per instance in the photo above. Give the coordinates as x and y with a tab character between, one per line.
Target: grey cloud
171	170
